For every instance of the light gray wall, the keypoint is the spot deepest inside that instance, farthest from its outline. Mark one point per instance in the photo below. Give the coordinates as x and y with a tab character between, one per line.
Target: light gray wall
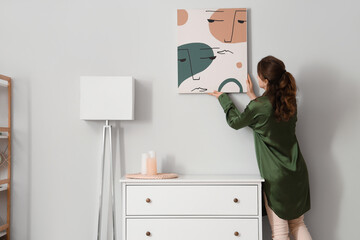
45	46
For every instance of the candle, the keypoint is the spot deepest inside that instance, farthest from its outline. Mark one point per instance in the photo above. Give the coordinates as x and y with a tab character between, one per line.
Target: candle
151	168
144	158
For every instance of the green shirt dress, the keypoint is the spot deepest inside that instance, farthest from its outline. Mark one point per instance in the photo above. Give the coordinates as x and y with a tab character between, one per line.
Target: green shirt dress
280	161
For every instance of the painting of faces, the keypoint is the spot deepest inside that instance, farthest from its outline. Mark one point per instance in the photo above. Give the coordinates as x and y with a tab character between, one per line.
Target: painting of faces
212	50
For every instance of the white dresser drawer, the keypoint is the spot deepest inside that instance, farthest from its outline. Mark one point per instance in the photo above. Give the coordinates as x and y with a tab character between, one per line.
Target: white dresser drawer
192	200
192	229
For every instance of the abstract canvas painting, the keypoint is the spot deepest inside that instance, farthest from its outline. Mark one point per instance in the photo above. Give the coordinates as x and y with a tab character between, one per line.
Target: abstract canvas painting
212	50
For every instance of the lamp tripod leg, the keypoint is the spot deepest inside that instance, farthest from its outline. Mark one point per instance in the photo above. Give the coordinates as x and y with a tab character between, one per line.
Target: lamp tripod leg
112	179
102	185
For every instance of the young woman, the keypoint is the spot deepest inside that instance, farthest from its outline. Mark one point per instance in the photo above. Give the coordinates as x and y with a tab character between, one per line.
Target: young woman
273	117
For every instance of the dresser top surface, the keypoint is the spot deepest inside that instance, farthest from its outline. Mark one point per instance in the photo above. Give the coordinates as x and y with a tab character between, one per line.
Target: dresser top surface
229	178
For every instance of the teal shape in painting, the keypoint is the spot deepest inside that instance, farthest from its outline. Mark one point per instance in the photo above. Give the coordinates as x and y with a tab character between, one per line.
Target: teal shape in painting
228	81
192	59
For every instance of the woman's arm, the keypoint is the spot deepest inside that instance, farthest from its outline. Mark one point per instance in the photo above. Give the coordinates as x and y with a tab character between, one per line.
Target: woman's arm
234	117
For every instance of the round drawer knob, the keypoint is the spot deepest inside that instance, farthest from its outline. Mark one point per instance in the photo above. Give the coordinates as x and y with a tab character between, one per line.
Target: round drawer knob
236	200
148	233
148	200
236	233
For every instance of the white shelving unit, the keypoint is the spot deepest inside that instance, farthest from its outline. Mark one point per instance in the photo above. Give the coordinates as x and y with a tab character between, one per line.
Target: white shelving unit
5	151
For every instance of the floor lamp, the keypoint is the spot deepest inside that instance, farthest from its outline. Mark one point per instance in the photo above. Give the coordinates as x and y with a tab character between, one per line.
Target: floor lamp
107	98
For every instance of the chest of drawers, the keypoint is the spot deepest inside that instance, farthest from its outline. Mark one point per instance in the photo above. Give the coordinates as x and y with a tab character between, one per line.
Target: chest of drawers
192	207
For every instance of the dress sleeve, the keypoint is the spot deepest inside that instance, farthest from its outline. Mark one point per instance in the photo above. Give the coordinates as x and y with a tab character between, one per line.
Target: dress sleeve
234	117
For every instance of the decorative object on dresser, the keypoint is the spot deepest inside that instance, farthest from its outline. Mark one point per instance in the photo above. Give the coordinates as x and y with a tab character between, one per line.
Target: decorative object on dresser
107	98
149	168
192	207
5	156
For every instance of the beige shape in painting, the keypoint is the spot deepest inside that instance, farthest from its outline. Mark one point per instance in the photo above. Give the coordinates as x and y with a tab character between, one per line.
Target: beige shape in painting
228	25
182	17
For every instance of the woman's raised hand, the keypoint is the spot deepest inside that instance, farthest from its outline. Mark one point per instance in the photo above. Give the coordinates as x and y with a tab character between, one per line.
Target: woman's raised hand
215	93
250	90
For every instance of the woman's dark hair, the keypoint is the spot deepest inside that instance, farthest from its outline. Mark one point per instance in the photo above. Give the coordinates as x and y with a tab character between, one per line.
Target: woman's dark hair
281	87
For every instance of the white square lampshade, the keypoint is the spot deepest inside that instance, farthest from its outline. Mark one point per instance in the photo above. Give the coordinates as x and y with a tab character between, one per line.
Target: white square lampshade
107	98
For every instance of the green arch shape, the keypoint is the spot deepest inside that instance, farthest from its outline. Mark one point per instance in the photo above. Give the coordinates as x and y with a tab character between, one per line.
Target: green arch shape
231	80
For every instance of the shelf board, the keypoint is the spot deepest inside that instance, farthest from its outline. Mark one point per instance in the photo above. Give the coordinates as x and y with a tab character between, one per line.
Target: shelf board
4	227
4	132
4	181
2	233
4	83
3	187
4	137
4	129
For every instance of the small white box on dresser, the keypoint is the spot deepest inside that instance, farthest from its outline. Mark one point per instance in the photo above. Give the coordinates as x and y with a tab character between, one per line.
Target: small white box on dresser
192	207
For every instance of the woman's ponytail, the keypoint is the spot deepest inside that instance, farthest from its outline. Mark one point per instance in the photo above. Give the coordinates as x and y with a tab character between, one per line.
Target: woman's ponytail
281	88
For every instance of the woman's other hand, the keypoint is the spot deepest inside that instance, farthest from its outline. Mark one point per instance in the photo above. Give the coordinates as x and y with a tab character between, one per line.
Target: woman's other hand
250	89
215	93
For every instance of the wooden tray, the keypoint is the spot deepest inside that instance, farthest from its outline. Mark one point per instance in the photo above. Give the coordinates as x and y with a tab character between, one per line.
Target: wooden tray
157	176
